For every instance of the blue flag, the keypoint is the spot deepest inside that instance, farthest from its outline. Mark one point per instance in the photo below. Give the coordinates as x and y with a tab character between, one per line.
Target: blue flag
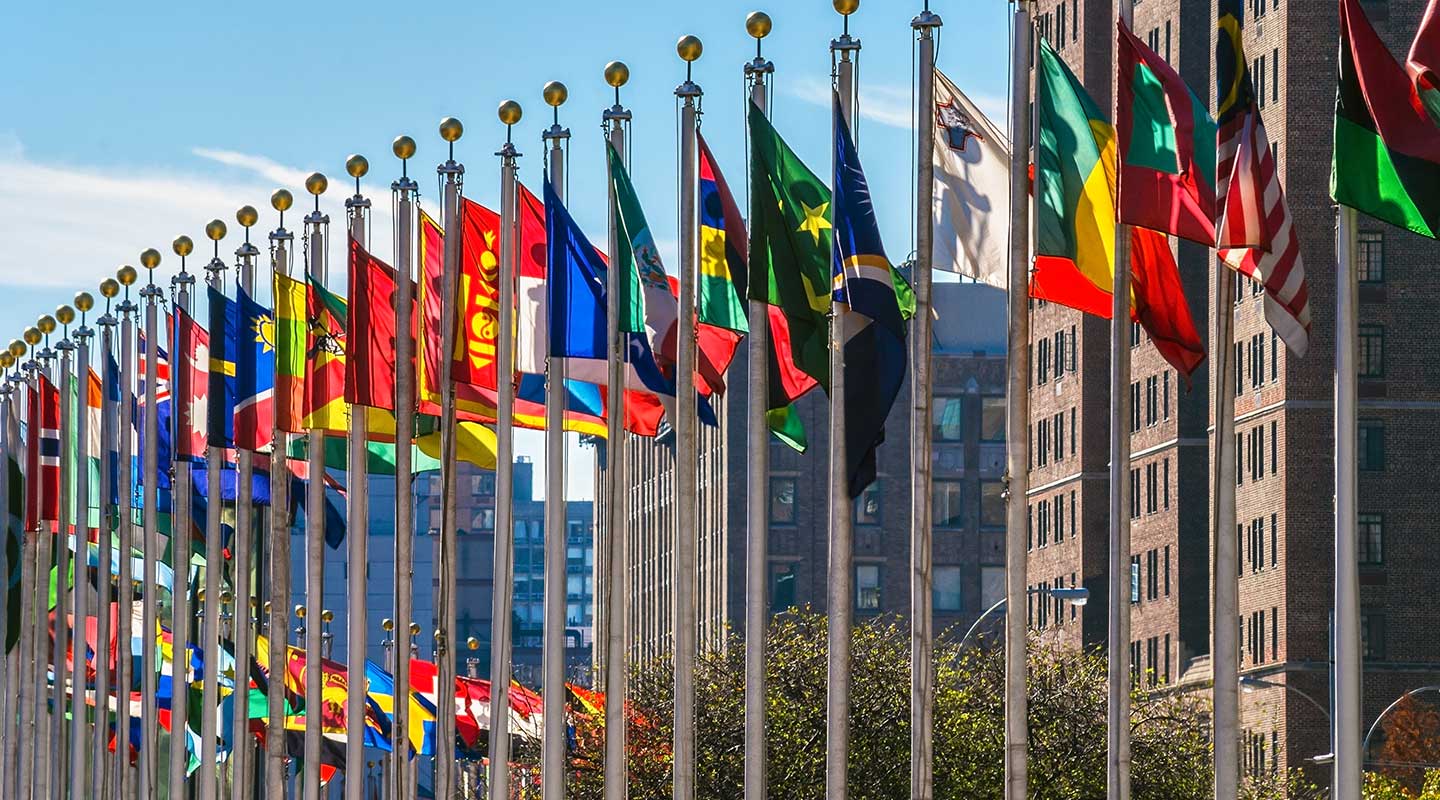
220	411
254	374
869	311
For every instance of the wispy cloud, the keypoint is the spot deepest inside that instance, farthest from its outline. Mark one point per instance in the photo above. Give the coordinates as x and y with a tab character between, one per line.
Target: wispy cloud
260	165
888	104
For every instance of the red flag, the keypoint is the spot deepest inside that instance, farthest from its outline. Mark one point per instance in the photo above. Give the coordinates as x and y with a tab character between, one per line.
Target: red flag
192	382
370	362
1160	305
48	451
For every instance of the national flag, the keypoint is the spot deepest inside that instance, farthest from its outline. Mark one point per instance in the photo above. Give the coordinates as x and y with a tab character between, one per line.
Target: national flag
162	413
971	206
84	455
192	385
876	362
370	364
790	244
14	532
1166	146
1254	230
531	310
255	360
1386	159
32	457
110	379
1424	59
721	288
48	452
221	408
325	407
291	341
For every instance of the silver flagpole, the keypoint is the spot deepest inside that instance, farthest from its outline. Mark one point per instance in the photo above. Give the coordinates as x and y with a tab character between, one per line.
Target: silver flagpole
32	680
451	174
403	191
687	468
278	633
553	685
7	664
922	623
181	618
1349	755
317	239
109	413
214	560
840	599
1117	762
500	629
1017	410
357	536
1225	581
61	690
757	480
124	776
80	736
614	641
48	728
149	714
242	633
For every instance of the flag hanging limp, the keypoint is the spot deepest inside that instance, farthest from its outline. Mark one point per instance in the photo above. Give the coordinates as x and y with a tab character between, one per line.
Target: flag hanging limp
971	206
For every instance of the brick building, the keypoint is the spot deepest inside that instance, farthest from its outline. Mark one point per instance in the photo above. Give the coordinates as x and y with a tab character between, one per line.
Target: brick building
1283	411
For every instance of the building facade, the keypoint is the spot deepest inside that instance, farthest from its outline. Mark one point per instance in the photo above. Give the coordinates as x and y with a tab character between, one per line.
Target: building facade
1283	411
968	431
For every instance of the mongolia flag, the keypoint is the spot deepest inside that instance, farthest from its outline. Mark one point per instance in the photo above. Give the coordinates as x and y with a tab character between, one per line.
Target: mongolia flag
869	312
221	408
254	373
192	385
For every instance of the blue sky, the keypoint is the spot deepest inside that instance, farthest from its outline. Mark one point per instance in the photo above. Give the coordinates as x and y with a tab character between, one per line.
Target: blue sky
126	124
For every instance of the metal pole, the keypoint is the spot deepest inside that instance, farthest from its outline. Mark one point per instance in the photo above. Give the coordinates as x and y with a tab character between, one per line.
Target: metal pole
757	487
357	539
403	191
1349	765
242	777
100	735
31	682
149	720
279	546
214	566
47	727
8	736
500	628
1017	411
922	631
687	466
616	120
317	229
66	527
552	687
81	738
841	594
125	582
1225	582
451	173
181	616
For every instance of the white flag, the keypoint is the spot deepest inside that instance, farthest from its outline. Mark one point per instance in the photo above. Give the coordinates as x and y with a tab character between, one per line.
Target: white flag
972	189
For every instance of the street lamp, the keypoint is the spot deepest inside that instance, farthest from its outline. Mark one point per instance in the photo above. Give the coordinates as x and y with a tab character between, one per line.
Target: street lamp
1365	745
1076	596
1249	684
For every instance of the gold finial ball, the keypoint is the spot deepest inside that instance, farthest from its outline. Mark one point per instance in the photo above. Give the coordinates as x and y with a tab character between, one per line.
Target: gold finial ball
65	314
555	94
617	74
316	184
327	615
227	597
6	360
127	275
182	245
84	301
247	216
17	347
281	200
847	7
689	48
357	165
510	112
266	608
150	259
215	230
46	324
403	147
472	643
300	611
451	130
200	594
109	287
33	336
387	624
414	629
758	24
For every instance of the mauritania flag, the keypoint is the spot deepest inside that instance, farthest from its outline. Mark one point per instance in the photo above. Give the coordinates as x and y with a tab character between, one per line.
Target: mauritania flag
869	312
221	407
971	208
254	356
1387	149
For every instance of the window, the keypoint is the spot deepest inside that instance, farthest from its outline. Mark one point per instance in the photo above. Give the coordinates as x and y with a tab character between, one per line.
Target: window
1372	445
1059	355
1372	351
1372	634
1042	524
782	501
1165	483
867	505
867	588
1167	570
1274	539
1371	530
1239	369
1152	400
1165	395
1152	565
1070	358
1134	407
1072	430
1059	518
1135	579
1274	447
1042	442
992	504
992	419
1152	487
783	578
1274	356
1042	361
946	594
1371	267
1134	334
946	421
1058	425
1135	493
1275	75
946	504
992	585
1060	23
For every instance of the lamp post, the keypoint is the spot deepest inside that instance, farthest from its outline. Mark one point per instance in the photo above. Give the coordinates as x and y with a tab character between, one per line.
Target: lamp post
1077	596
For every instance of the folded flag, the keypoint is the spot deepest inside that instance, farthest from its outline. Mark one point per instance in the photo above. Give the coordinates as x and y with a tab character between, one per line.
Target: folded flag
48	450
1424	57
255	362
971	207
291	342
192	386
220	411
370	364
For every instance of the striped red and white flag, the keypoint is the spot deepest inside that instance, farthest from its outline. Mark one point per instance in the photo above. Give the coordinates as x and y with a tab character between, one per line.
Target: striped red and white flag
1254	232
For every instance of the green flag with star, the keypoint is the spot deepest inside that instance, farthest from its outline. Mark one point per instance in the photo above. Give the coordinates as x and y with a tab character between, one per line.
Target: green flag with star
790	241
